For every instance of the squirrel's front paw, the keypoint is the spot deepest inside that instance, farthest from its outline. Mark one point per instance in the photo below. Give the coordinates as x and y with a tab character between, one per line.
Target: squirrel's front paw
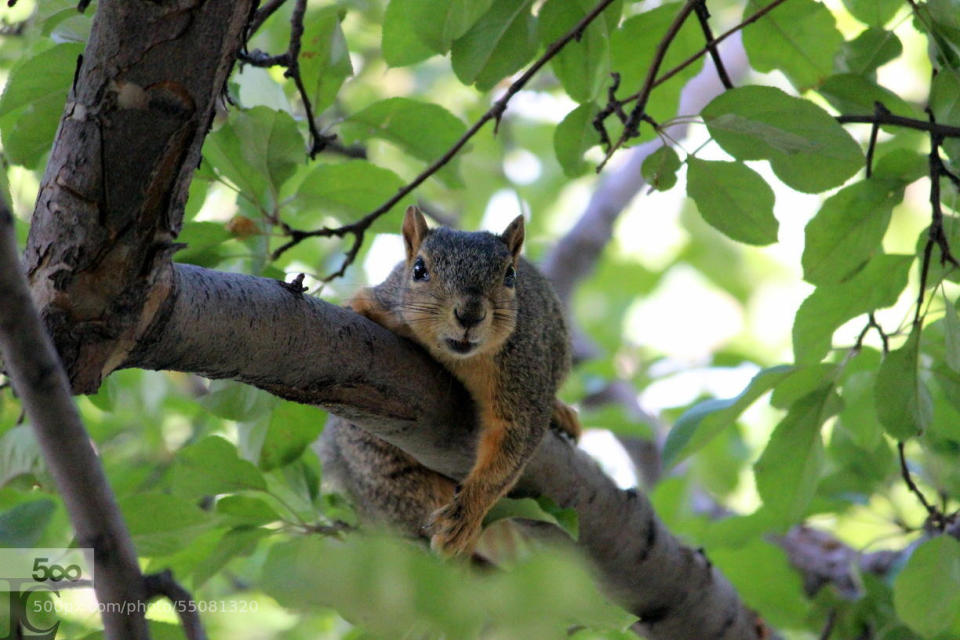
452	531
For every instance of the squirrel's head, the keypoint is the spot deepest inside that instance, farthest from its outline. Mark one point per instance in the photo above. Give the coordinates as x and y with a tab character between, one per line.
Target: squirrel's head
459	294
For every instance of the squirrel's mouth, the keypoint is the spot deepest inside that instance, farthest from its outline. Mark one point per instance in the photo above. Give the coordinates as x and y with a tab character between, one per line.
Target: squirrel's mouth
462	347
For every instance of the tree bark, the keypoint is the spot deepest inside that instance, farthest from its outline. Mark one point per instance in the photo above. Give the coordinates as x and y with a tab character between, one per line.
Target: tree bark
111	200
41	383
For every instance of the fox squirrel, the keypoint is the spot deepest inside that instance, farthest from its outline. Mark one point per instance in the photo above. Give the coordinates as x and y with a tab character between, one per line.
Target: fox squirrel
494	322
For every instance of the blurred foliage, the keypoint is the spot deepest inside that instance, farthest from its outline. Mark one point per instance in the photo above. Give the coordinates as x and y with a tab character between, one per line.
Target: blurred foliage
692	304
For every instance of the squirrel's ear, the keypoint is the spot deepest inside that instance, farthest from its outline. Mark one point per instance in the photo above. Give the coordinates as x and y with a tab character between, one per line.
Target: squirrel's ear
414	230
512	236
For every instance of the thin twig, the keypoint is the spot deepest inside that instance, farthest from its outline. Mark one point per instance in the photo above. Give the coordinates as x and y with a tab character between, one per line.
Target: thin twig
261	16
943	130
631	127
879	111
163	584
933	514
706	49
936	235
291	60
495	112
703	16
828	627
873	324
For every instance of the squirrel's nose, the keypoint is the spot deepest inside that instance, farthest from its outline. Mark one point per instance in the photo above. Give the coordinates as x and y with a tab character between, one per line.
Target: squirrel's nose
470	317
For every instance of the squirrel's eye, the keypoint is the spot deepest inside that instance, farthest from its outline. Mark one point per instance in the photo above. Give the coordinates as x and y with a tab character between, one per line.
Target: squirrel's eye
510	277
420	271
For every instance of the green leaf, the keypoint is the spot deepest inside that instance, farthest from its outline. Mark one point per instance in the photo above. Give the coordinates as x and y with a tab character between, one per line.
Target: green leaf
573	136
23	525
203	240
859	415
848	230
437	23
871	49
734	199
19	454
33	100
789	468
583	65
233	401
801	382
876	286
855	95
951	334
903	165
355	188
530	509
799	38
766	581
660	168
162	524
875	13
234	543
421	129
805	145
211	466
699	424
324	58
400	45
246	511
257	150
902	400
926	594
501	42
292	428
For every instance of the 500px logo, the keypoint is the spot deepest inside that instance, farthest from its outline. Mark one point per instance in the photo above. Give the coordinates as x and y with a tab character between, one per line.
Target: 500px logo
32	576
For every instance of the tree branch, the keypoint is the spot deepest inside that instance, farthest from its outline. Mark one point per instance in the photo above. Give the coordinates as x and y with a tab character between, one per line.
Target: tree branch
42	386
234	326
111	199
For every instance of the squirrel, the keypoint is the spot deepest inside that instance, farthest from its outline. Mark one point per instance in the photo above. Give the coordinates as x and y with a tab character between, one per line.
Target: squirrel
494	322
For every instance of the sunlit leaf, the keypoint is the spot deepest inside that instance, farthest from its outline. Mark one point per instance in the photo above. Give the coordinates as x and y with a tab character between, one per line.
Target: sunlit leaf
421	129
789	468
926	593
902	400
848	230
876	286
660	168
573	136
211	466
33	100
806	147
799	38
583	66
705	420
734	199
499	43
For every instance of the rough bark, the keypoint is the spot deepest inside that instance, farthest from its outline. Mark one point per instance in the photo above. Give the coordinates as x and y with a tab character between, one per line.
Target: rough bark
257	331
111	199
41	383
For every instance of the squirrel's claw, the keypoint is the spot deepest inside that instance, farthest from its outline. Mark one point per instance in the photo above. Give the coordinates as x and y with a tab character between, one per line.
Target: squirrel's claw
452	532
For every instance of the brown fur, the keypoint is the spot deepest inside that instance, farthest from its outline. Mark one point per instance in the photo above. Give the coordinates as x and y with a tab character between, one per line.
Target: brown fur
507	344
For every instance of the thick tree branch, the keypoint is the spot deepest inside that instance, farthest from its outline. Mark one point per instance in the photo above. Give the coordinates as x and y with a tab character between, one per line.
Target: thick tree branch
42	386
254	330
111	199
